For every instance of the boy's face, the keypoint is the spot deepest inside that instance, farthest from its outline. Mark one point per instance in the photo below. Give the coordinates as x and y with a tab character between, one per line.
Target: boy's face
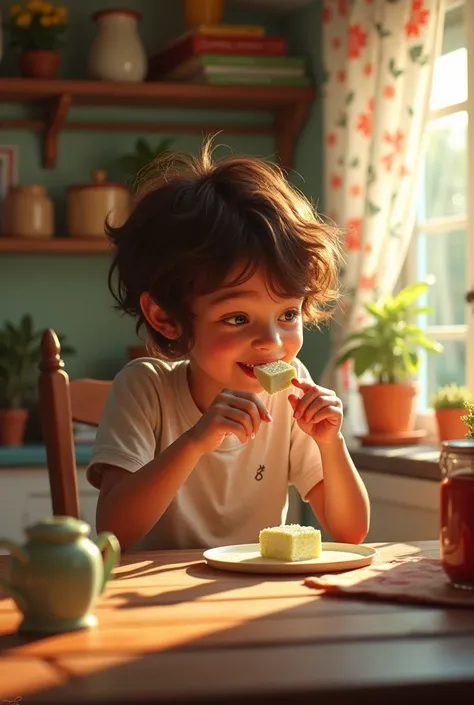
236	328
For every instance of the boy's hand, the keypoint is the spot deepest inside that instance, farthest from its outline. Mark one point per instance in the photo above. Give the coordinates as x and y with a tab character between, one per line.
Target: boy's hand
318	412
240	413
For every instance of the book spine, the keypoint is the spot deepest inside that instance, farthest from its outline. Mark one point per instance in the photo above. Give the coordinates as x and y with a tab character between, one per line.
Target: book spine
235	30
251	79
163	62
293	62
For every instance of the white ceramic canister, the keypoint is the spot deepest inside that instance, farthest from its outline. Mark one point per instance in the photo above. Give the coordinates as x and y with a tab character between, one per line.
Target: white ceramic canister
89	205
28	212
117	52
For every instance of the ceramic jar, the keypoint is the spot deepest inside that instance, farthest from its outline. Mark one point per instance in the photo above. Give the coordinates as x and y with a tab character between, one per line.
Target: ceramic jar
117	52
28	212
89	205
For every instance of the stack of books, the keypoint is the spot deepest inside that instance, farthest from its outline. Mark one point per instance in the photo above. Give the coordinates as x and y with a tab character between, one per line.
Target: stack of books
228	54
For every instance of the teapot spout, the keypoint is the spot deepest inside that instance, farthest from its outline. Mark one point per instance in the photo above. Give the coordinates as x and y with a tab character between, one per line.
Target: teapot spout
23	557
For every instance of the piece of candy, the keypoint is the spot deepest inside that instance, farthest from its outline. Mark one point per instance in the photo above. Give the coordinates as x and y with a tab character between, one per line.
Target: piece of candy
275	376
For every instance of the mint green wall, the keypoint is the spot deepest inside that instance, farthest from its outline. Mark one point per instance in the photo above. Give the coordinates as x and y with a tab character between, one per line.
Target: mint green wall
70	293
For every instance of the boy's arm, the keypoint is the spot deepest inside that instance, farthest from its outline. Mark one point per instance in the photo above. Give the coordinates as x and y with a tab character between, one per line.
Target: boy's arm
340	501
146	493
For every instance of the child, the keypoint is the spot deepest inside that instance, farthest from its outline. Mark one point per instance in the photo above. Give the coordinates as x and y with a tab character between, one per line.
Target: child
221	263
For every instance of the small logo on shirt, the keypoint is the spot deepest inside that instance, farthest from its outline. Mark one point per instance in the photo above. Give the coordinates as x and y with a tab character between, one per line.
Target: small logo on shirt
260	471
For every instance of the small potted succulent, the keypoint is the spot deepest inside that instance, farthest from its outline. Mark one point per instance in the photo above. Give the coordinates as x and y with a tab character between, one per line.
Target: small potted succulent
19	358
35	29
388	352
469	420
449	404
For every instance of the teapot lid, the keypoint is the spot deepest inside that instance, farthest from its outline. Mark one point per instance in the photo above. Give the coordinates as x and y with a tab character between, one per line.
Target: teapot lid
58	528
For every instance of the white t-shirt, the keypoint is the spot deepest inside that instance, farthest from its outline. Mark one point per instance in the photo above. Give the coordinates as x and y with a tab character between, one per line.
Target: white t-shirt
233	492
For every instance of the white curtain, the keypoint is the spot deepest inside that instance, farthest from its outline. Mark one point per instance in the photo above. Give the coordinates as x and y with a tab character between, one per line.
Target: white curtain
378	59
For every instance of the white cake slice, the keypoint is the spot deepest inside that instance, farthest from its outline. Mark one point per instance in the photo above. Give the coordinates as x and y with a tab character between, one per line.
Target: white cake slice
290	542
275	376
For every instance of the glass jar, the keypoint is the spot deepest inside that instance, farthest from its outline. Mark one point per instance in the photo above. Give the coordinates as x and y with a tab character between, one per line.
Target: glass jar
457	512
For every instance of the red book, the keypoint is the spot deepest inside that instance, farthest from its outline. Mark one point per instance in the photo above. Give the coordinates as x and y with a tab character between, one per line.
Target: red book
165	61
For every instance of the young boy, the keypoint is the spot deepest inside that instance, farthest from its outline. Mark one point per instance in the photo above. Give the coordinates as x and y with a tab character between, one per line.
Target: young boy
221	263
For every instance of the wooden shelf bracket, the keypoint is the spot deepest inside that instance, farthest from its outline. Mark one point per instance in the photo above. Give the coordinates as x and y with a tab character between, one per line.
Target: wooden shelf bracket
57	114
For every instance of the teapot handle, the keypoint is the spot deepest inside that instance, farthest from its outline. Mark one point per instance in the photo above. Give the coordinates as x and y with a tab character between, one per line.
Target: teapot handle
108	543
23	557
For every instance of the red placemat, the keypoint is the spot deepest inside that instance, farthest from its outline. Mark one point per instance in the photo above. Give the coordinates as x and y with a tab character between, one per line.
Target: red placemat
402	580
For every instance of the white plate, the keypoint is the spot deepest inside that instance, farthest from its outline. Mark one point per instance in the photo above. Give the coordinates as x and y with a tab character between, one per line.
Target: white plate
246	558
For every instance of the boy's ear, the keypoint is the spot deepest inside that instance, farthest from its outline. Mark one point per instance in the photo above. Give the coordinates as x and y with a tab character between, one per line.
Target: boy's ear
158	319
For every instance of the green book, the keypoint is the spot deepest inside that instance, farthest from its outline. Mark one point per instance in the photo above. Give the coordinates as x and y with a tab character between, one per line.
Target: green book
236	63
251	79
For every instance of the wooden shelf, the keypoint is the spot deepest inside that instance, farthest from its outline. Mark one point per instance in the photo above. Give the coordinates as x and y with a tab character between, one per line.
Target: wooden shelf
289	104
55	245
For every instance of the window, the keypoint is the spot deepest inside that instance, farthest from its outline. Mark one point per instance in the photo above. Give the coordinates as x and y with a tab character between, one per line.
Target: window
442	245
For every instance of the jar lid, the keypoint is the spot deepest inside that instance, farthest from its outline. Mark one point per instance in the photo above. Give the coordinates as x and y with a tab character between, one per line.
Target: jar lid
116	11
98	180
461	445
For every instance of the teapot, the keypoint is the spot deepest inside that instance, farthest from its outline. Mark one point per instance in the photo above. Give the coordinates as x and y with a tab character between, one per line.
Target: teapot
56	577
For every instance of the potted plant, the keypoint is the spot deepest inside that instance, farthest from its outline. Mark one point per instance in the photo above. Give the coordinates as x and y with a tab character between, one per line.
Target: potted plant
132	164
19	359
449	404
469	420
35	29
389	351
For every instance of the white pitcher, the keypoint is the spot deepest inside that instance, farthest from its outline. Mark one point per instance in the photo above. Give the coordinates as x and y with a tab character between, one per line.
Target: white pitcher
117	52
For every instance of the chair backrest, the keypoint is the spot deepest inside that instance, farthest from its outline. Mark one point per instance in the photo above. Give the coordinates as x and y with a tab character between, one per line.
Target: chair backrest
62	402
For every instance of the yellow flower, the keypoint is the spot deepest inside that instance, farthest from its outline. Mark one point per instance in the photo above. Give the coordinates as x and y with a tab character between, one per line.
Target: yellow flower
61	12
24	20
15	10
36	6
46	21
48	8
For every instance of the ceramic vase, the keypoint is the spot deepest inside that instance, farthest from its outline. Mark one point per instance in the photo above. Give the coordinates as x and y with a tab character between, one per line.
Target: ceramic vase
117	52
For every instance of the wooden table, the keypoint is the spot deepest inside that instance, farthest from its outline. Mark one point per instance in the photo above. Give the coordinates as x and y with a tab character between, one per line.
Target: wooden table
173	630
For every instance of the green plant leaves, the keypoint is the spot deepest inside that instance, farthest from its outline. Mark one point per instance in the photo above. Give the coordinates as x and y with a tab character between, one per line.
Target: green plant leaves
390	347
132	164
19	358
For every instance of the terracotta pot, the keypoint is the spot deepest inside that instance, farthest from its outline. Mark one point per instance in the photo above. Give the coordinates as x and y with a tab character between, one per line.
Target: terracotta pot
12	426
389	408
450	426
39	64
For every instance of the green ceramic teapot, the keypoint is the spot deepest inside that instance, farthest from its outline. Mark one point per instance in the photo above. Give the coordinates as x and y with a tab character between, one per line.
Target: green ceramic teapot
57	575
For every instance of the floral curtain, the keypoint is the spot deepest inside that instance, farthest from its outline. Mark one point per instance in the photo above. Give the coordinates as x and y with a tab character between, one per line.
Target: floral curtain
378	59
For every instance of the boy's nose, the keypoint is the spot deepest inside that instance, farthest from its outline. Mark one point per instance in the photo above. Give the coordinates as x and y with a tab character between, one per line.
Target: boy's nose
268	339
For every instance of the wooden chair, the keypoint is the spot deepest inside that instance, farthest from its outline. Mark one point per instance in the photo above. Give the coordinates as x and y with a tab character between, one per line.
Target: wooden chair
61	403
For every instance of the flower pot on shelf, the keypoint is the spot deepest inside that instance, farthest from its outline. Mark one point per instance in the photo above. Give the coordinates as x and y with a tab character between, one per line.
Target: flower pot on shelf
38	63
389	408
450	426
12	426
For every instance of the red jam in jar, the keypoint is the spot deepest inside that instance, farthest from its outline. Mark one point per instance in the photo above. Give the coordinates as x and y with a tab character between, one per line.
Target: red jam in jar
457	512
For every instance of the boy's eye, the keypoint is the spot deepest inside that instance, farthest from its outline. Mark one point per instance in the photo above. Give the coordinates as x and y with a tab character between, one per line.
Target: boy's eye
237	320
290	316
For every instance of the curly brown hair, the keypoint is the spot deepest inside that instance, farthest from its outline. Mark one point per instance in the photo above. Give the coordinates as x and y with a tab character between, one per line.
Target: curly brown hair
194	219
